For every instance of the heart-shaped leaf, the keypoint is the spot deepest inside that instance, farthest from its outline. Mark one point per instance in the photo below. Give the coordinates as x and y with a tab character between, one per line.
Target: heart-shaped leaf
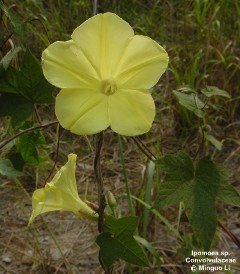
198	187
117	242
20	90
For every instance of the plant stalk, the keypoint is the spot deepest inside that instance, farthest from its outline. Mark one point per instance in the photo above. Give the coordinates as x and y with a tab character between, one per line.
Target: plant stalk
98	173
130	203
25	131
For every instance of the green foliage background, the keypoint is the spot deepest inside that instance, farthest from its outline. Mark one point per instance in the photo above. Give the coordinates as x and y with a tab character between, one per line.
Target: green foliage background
203	42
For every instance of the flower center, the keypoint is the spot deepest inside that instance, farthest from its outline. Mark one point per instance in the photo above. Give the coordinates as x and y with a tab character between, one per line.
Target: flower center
108	87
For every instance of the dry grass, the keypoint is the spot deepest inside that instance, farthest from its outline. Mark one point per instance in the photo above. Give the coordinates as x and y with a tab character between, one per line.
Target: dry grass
60	242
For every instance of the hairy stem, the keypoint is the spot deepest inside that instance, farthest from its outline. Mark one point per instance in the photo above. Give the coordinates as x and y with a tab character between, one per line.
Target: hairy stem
202	141
98	173
101	196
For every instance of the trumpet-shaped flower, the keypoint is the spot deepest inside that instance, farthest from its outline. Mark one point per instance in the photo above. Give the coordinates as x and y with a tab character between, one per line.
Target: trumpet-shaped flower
61	194
104	73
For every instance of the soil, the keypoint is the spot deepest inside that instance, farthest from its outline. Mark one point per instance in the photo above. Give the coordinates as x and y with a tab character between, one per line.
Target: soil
60	242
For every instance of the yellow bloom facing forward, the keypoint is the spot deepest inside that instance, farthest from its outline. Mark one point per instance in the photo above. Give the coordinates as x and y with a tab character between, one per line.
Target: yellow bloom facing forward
105	72
61	194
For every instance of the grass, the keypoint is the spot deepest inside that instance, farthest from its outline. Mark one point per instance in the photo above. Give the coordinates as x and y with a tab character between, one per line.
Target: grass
202	39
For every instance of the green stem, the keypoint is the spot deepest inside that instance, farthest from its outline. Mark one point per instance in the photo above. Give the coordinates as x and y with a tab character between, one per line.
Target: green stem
99	179
148	196
179	215
164	220
130	203
101	195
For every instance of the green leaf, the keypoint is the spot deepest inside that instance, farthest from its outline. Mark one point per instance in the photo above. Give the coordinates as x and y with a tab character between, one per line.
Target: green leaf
226	192
117	242
177	185
218	145
201	204
16	160
7	169
6	60
150	248
27	146
32	83
210	91
188	245
199	188
160	217
18	25
22	89
15	106
191	102
9	81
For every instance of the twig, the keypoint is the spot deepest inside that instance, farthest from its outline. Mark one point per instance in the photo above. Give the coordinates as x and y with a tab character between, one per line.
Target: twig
5	41
7	269
45	29
230	234
144	148
29	21
26	131
147	149
95	7
101	196
98	173
37	114
57	150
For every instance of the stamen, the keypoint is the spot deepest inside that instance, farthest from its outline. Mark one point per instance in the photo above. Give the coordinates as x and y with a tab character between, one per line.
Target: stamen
108	87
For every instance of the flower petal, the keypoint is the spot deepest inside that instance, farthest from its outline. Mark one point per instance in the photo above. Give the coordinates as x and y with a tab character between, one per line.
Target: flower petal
61	194
65	180
65	66
142	64
82	111
131	112
103	39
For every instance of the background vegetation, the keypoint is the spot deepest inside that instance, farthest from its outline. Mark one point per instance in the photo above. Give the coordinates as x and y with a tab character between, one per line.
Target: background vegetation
203	42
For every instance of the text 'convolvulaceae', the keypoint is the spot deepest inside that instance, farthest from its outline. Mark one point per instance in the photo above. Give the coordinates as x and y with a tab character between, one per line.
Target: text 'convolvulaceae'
105	73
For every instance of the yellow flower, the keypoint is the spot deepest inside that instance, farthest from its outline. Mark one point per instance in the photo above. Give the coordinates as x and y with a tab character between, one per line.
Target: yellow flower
105	72
61	194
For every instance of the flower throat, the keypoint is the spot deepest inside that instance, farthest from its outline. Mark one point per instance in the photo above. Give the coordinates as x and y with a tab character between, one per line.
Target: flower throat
108	87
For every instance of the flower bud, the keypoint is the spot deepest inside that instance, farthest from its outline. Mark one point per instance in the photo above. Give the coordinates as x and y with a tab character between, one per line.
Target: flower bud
111	200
